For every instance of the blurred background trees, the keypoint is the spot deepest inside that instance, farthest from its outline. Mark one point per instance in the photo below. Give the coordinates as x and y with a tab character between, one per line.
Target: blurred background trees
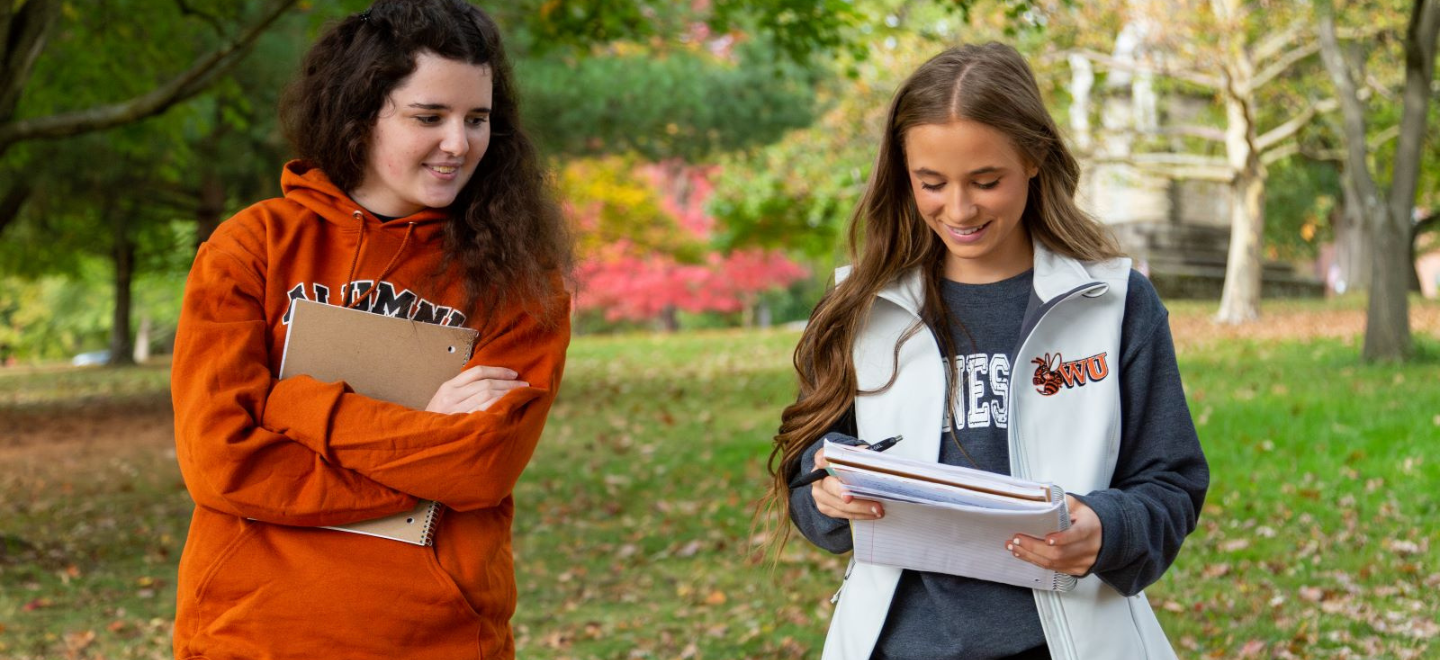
710	152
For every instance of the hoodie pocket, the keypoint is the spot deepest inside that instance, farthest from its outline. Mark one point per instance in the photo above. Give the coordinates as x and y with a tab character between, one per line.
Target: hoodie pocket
272	589
222	559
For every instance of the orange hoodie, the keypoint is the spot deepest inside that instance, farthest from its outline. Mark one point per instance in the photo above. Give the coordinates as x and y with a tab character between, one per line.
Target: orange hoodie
268	461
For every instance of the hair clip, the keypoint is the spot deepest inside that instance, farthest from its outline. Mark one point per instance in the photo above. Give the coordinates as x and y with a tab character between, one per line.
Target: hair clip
365	16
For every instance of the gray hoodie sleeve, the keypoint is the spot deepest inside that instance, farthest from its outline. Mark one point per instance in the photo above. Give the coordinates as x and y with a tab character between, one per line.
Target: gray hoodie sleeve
832	534
1161	475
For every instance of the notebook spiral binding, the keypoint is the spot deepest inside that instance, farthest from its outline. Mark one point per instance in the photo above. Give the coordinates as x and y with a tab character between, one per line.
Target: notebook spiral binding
1062	582
432	523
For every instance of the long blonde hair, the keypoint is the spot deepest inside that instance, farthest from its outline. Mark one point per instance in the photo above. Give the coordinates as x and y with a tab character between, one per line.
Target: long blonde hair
988	83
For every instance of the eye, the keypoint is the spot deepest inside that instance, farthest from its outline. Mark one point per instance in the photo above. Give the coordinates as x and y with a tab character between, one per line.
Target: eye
476	122
987	186
428	120
932	188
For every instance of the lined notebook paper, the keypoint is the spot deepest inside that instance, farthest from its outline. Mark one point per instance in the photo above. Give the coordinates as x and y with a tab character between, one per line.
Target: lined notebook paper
382	357
949	519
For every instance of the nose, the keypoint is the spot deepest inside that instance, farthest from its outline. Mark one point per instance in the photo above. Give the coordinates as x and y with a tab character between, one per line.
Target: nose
455	142
959	207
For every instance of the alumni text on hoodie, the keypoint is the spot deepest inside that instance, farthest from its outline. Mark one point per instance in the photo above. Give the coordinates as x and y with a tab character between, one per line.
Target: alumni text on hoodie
268	461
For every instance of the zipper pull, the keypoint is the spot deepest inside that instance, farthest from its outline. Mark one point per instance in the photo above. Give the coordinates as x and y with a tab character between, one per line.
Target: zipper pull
848	570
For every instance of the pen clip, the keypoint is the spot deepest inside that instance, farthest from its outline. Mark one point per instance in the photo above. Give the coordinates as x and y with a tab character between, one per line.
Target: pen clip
886	443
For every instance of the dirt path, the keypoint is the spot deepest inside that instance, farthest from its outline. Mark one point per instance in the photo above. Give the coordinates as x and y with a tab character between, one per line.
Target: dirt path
90	429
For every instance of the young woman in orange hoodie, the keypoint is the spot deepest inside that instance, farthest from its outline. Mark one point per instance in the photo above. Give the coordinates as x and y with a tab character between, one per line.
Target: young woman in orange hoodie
418	195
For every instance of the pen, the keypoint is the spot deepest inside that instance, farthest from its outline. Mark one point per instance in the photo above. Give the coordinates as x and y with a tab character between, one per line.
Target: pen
816	475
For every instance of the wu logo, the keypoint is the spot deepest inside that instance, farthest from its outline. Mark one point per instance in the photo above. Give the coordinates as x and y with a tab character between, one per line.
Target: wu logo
1054	372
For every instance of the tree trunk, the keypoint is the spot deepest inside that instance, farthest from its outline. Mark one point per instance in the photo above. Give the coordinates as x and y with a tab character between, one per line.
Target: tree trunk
12	201
1353	248
1240	299
142	340
1420	228
121	344
212	205
211	209
1387	319
669	320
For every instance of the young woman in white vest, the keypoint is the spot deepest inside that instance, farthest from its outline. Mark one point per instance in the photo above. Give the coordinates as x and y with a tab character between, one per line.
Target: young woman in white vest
995	325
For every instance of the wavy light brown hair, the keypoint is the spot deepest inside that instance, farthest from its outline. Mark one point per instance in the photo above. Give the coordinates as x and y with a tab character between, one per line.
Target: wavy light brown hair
506	232
990	84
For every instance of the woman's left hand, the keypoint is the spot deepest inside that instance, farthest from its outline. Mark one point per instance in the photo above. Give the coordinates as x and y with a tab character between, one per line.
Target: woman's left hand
1072	551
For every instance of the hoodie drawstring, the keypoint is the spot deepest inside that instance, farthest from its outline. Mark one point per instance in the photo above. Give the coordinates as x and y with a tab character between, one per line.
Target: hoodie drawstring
355	259
395	259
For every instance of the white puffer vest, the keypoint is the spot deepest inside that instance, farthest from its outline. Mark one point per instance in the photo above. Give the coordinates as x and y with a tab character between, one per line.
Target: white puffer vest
1069	437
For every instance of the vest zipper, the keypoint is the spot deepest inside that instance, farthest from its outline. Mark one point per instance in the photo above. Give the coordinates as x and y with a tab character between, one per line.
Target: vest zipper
1047	602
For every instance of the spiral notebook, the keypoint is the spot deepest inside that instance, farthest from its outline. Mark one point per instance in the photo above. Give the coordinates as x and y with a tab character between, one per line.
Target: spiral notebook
382	357
949	519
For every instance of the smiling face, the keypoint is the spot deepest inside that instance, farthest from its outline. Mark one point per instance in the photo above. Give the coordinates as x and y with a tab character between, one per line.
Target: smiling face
971	184
428	138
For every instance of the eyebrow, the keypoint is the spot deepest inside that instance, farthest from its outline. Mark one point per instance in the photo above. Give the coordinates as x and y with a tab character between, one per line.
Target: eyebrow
990	169
442	106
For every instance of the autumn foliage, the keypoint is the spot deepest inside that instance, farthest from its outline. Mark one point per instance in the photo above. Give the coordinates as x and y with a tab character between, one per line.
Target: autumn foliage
644	240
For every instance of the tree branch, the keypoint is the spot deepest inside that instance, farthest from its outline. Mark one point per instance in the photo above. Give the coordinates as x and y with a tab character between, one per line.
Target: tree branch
1280	153
1290	128
1378	87
1192	130
1210	82
1281	65
1278	41
1338	155
178	89
1173	166
187	10
22	37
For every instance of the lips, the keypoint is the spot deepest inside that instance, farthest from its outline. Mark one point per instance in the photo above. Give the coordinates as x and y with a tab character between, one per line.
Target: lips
966	234
444	169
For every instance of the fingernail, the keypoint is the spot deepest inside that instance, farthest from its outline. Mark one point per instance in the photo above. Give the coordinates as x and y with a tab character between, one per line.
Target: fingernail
1017	555
1016	541
1050	541
875	510
1008	547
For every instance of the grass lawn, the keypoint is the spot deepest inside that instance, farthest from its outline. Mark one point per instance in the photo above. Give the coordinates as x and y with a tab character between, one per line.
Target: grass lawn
633	536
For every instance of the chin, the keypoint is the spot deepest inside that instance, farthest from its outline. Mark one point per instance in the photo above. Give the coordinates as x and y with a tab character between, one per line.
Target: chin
439	201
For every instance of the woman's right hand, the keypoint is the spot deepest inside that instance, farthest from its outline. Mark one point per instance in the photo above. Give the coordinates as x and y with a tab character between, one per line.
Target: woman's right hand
831	499
475	389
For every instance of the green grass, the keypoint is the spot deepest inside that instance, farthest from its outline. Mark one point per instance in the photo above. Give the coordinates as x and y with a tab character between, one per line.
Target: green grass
1318	533
632	533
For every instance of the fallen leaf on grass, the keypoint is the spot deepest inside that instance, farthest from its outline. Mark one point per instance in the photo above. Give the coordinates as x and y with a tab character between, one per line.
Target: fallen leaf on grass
715	598
1252	649
1403	547
37	604
1235	545
76	642
1215	570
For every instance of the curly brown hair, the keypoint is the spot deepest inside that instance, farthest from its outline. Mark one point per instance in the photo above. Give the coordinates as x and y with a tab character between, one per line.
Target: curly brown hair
506	231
